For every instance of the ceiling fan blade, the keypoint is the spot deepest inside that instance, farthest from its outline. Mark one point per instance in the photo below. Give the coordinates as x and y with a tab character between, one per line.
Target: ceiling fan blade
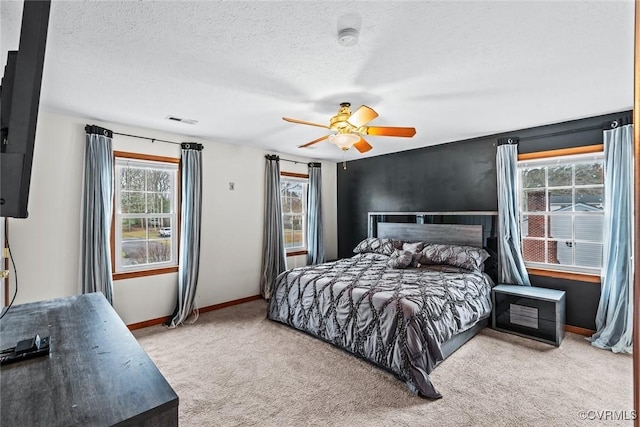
362	116
362	145
390	131
302	122
313	142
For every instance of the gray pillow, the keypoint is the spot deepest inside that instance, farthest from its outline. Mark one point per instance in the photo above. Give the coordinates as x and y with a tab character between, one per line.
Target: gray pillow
376	245
400	259
467	257
415	249
412	247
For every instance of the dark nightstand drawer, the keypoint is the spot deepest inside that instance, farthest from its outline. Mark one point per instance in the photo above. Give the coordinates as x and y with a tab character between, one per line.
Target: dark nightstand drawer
532	312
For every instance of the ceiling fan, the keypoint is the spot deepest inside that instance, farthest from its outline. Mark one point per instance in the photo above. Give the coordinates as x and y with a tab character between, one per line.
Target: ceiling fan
350	127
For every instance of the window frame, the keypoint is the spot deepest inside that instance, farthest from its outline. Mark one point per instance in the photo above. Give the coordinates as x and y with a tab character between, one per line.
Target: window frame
591	275
298	250
148	269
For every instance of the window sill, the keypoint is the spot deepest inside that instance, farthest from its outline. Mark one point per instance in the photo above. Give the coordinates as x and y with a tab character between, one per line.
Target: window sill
296	253
144	273
581	277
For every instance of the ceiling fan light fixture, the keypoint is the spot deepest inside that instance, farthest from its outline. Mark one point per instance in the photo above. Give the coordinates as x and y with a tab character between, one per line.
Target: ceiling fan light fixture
348	37
344	140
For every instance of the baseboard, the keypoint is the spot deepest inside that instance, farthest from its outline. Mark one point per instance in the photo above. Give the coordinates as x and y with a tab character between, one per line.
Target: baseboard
161	320
578	330
229	303
147	323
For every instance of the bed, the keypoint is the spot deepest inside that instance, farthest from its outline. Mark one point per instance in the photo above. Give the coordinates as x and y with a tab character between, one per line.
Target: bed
404	320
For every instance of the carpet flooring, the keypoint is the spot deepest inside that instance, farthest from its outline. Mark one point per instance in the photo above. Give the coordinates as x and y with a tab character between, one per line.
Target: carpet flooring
234	367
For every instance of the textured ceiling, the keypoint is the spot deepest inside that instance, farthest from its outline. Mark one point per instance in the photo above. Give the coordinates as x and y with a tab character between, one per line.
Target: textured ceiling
452	69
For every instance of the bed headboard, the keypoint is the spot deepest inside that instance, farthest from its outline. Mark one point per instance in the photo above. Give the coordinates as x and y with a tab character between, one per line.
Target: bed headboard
468	228
452	234
453	227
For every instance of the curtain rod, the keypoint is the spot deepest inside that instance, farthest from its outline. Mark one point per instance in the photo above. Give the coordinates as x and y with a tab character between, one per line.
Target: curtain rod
601	126
146	137
559	133
274	156
293	161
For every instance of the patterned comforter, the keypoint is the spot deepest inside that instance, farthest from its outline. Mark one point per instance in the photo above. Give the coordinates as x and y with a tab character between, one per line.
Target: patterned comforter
395	318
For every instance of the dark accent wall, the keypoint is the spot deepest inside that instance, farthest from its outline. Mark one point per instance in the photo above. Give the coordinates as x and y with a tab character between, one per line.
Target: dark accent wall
457	176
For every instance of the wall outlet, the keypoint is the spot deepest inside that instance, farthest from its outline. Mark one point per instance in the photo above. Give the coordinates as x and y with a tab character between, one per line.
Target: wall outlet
232	186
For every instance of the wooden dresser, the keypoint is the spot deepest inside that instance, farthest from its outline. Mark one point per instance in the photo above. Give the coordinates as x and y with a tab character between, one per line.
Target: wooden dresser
95	375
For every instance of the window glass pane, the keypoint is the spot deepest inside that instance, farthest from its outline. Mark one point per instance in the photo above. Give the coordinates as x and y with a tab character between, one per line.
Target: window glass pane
589	199
535	201
533	226
132	202
296	188
159	250
560	226
588	254
134	228
287	224
133	252
158	180
298	237
533	250
286	205
589	173
560	176
296	204
132	179
589	227
159	203
533	177
288	239
560	252
560	200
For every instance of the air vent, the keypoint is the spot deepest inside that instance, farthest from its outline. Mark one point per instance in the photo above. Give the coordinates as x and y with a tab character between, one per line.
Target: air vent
178	119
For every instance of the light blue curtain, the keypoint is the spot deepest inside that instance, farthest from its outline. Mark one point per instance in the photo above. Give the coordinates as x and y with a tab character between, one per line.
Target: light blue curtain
97	209
511	269
614	323
273	253
315	246
190	225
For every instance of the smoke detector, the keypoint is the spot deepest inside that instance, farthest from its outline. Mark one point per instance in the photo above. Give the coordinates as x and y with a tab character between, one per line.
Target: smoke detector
348	37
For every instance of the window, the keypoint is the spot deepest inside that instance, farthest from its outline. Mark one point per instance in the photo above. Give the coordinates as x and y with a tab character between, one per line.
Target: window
561	212
293	192
145	220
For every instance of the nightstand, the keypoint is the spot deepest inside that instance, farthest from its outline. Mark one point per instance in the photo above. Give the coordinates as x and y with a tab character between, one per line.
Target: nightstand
531	312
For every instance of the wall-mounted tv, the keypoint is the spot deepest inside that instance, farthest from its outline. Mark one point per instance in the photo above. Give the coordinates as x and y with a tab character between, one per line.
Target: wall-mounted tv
20	98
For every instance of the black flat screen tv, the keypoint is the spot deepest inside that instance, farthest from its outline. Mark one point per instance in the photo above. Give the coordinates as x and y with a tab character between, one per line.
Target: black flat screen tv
20	98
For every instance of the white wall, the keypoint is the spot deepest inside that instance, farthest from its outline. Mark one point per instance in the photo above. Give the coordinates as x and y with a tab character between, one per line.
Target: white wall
46	246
